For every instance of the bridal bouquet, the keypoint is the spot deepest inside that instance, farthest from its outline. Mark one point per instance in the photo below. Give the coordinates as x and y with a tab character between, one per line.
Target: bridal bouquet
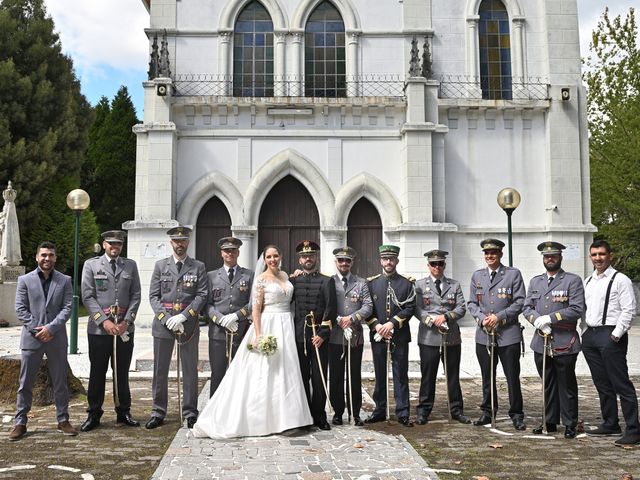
267	345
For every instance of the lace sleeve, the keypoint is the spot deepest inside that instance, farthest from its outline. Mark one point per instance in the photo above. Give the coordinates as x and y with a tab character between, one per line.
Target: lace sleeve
258	295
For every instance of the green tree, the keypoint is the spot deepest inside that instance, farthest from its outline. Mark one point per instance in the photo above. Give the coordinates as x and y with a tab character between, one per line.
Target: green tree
612	76
110	168
43	119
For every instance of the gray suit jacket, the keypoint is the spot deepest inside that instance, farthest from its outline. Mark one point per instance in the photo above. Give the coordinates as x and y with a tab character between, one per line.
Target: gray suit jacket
563	301
33	310
504	297
225	297
101	288
171	293
429	304
355	302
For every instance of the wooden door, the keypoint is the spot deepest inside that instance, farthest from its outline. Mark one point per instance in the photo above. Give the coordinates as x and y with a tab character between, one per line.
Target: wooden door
288	215
214	223
365	235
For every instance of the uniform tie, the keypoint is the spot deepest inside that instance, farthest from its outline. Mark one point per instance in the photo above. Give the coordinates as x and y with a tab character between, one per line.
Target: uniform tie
438	289
344	283
179	266
493	275
549	280
231	274
113	265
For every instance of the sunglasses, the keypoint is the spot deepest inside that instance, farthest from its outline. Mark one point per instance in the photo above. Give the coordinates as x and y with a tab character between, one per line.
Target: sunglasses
344	260
436	264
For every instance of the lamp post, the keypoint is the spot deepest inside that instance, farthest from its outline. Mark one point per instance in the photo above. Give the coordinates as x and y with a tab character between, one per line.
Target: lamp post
77	200
509	199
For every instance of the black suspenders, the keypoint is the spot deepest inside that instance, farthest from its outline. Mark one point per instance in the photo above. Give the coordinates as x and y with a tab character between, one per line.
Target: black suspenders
606	298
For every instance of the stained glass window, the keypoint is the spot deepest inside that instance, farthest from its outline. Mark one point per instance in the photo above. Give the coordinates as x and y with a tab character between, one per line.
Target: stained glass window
495	51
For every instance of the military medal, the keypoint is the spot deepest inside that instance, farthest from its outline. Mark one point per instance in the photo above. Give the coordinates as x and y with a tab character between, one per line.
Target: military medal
243	286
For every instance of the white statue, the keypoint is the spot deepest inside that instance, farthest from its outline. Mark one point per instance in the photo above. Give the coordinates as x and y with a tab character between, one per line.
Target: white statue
10	254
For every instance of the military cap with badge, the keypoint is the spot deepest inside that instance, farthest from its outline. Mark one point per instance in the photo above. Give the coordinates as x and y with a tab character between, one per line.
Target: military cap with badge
344	252
228	243
307	247
388	251
491	244
551	248
113	236
181	232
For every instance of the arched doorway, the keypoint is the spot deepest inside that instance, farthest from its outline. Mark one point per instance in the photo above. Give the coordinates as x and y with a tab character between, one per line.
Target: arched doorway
365	235
288	216
214	223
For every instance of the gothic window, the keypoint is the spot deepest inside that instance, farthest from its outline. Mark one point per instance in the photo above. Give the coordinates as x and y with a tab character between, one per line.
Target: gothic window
253	53
495	51
324	53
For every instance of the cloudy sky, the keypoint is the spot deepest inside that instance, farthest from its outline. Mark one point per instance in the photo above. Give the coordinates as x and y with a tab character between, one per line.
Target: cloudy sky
106	40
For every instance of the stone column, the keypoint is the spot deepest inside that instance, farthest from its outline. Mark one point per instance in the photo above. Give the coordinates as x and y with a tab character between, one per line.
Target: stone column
330	239
518	57
473	53
353	87
279	70
248	253
224	65
296	68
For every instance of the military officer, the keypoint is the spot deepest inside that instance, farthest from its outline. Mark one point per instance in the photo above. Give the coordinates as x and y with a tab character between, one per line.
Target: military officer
439	306
111	293
354	307
228	308
315	309
496	299
554	304
394	301
177	292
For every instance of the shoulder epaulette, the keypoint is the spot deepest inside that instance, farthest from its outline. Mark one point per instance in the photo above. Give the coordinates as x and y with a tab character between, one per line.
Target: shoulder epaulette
410	278
373	278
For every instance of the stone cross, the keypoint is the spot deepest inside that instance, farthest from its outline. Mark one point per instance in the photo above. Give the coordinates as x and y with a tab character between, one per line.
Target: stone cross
10	254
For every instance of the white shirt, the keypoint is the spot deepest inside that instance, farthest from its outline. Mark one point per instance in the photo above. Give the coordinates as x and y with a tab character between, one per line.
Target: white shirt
226	269
622	301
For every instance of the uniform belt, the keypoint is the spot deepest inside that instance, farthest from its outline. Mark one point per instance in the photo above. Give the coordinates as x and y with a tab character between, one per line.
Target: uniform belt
121	310
176	307
568	327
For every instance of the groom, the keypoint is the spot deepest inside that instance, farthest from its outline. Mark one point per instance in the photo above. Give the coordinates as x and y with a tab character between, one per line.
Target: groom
315	309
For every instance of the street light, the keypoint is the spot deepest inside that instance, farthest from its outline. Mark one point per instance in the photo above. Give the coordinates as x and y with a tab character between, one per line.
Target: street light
77	200
509	199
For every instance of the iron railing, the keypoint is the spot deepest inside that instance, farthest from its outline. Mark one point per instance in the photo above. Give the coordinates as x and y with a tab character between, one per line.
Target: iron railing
493	88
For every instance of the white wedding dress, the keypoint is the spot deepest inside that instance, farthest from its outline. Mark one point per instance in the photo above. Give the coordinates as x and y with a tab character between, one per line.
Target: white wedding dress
260	395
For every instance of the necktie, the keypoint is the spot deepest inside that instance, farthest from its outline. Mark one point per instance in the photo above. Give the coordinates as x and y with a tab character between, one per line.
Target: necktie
549	280
179	266
344	283
231	275
438	289
113	265
493	275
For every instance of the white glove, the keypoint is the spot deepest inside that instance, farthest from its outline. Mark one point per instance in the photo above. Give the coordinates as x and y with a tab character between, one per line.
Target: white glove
546	329
175	321
230	322
541	321
348	333
125	336
377	337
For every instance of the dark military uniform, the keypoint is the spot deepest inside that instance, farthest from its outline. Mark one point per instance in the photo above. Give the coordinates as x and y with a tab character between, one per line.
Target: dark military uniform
563	300
101	290
173	292
227	297
393	300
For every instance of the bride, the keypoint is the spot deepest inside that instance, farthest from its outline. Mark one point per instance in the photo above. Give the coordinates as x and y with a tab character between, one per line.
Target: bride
261	395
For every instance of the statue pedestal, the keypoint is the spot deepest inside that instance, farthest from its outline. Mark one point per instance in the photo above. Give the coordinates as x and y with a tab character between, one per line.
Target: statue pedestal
8	285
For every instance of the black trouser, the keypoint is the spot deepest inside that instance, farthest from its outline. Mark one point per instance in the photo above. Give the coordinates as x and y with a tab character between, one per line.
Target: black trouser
400	370
218	360
607	361
509	356
312	380
560	387
430	357
100	353
337	362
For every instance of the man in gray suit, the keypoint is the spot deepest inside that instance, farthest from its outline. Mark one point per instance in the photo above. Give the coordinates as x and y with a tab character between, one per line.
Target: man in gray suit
496	300
177	292
43	305
554	304
229	309
354	307
111	293
439	306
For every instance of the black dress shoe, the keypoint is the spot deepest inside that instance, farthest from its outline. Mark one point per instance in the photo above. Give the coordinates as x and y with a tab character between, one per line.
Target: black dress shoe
483	420
570	432
422	420
357	422
337	420
323	425
191	421
551	428
519	424
127	419
459	417
154	422
405	421
375	419
89	424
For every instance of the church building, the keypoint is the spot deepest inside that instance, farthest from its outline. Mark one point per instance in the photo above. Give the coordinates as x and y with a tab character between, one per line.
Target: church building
363	122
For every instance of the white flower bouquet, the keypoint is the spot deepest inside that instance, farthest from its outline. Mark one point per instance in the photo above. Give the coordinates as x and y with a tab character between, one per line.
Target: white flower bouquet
267	345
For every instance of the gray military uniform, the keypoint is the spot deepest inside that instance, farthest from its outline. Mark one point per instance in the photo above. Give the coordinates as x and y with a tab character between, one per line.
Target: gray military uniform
226	297
355	302
171	293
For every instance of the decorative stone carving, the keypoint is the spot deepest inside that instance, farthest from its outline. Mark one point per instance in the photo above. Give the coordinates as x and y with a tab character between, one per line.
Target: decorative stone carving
155	59
414	62
10	254
427	62
164	65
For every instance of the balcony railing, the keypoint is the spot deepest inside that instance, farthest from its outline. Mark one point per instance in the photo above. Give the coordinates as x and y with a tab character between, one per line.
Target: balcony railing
380	85
493	88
